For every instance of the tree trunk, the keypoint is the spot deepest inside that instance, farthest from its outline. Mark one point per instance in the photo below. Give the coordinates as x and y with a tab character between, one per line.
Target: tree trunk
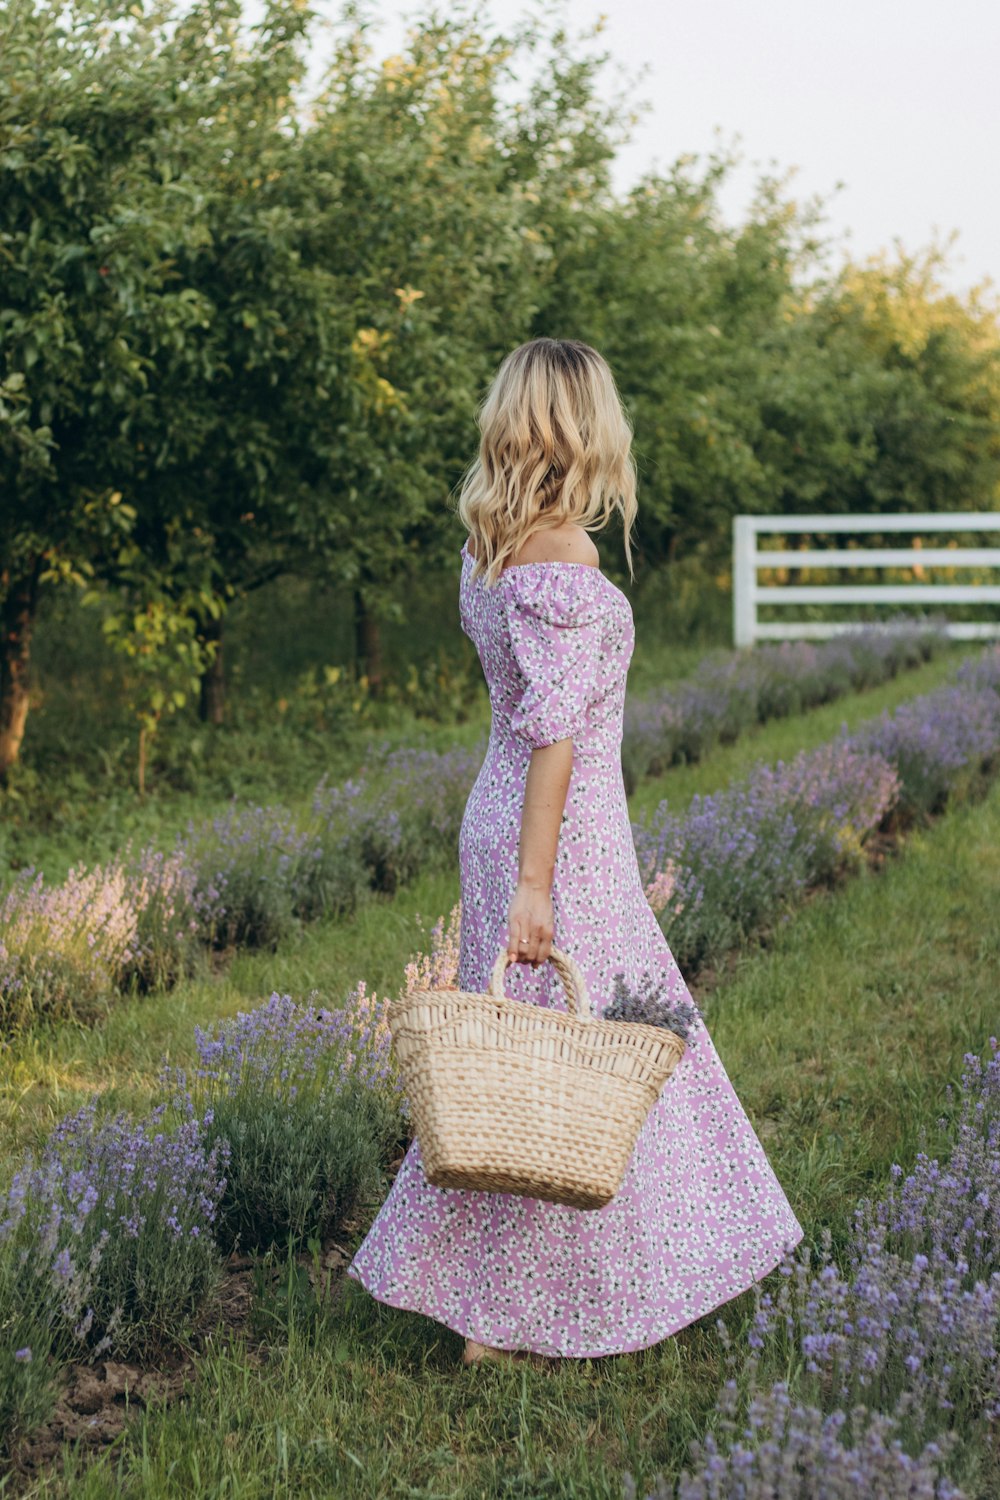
212	704
368	644
17	620
142	761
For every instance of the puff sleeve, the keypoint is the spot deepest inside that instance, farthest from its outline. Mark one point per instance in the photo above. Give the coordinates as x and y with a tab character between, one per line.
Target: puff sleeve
555	620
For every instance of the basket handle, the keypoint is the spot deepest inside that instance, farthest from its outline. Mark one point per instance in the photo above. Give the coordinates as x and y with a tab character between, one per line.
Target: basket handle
569	971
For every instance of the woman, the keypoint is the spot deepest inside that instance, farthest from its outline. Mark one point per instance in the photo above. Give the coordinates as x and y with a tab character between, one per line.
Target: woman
546	856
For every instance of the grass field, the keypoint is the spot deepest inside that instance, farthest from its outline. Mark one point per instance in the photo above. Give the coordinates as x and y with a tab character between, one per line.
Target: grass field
840	1029
840	1038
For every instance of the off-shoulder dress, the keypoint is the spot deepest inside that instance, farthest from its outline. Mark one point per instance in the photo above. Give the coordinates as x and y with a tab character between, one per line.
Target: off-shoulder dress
700	1214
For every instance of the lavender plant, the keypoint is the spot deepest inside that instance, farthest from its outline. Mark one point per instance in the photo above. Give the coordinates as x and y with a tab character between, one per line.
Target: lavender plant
650	1004
306	1100
906	1333
733	691
741	855
980	673
413	813
938	743
170	918
250	875
248	864
64	947
788	1450
106	1239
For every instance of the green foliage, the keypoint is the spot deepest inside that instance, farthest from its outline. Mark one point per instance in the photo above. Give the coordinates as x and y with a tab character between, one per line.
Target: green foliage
300	1098
298	1166
166	661
245	331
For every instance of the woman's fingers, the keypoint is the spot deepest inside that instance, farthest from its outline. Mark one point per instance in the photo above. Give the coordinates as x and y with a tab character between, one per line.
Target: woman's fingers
541	944
529	934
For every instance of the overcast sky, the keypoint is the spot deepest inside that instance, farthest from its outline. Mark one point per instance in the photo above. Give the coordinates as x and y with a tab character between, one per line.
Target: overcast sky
895	99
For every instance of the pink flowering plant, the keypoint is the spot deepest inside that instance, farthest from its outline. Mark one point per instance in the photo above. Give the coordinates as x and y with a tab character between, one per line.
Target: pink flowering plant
65	948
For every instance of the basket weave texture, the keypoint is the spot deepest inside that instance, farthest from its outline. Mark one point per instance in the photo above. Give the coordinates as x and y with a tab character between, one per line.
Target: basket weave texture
512	1097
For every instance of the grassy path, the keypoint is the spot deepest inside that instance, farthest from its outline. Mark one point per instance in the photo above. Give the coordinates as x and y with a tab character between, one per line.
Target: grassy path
55	1069
840	1039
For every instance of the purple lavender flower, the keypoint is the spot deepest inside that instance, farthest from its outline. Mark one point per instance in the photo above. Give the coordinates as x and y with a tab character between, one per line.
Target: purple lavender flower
308	1102
732	691
739	855
649	1004
87	1231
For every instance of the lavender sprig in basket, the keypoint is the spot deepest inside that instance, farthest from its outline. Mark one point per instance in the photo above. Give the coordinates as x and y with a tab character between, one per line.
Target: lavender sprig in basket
650	1005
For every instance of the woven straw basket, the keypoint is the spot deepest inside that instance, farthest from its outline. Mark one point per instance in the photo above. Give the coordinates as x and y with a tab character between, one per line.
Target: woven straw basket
512	1097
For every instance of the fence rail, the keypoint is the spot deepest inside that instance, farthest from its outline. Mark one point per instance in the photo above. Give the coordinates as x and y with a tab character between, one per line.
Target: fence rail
748	559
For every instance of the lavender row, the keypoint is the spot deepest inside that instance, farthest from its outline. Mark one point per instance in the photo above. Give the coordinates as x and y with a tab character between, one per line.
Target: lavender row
733	692
284	1091
735	861
895	1389
248	877
245	878
283	1098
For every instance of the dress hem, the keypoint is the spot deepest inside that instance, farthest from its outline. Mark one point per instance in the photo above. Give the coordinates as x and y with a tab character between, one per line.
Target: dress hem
468	1332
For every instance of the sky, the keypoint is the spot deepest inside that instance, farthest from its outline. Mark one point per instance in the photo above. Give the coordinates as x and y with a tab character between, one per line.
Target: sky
896	100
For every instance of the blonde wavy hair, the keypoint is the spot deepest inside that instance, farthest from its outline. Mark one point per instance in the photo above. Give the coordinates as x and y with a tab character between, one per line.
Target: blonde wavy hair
555	447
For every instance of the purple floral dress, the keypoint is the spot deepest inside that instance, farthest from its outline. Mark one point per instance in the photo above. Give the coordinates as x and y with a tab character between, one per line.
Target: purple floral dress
700	1214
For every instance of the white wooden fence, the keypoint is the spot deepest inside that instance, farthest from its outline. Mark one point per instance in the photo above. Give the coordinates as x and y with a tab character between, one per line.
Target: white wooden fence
747	559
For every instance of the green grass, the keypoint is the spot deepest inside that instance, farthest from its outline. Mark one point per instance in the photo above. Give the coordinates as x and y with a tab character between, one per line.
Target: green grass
840	1038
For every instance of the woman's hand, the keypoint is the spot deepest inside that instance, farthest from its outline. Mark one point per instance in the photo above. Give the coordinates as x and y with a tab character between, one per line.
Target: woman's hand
530	918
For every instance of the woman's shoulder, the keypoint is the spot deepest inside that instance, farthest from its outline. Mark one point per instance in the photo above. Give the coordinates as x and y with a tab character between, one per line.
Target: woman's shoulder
570	544
563	544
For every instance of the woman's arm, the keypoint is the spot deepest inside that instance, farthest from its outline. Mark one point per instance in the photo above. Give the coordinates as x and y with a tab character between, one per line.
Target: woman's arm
545	791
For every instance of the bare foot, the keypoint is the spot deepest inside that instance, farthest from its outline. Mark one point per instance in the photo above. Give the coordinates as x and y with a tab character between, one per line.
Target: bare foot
475	1353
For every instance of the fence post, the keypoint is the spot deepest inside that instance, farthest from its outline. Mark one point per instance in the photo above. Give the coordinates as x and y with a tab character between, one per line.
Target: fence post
744	579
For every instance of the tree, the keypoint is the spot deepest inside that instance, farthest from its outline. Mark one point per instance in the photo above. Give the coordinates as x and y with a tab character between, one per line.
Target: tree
431	196
930	361
108	118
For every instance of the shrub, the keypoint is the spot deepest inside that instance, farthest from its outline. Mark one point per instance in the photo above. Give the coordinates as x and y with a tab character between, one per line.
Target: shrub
939	743
738	856
304	1098
65	946
107	1239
